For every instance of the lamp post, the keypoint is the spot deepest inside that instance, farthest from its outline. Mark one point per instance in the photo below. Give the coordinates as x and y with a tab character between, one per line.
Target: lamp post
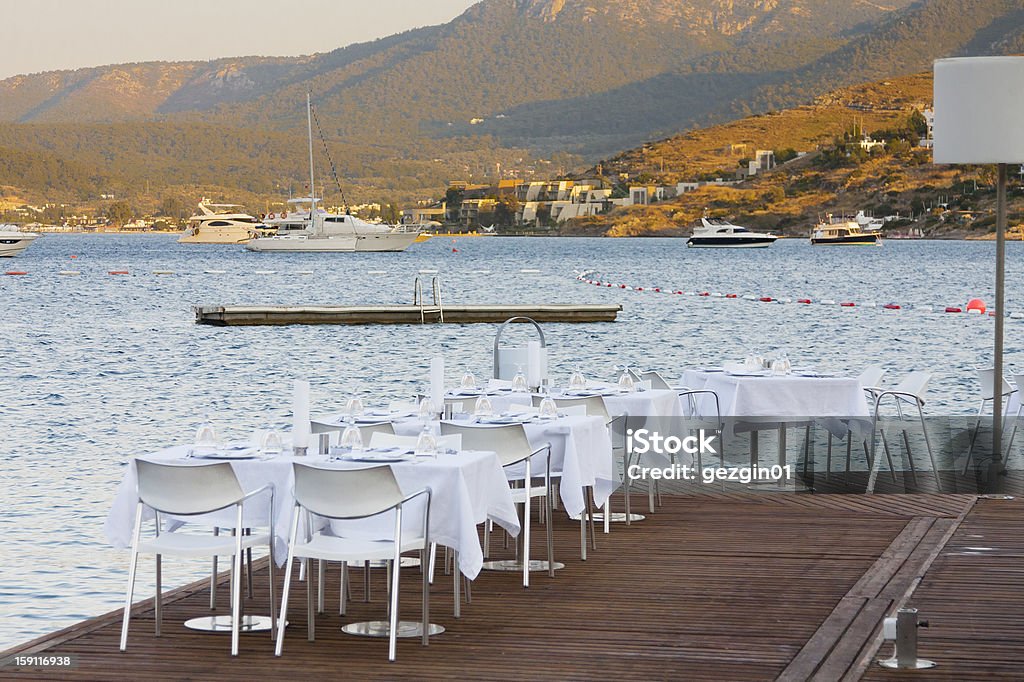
978	105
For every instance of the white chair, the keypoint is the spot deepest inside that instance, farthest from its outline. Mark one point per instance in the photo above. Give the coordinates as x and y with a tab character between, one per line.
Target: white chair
192	491
1018	379
986	377
352	494
513	449
909	391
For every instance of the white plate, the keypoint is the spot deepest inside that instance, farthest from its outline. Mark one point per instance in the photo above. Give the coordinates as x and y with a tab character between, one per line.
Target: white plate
383	455
247	453
739	373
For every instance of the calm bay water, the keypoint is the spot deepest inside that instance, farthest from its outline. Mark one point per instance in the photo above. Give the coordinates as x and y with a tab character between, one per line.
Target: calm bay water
100	367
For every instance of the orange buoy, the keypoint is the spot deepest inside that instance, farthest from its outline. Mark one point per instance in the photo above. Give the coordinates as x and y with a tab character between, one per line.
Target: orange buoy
639	289
952	309
765	299
117	272
891	306
730	296
73	257
976	304
847	304
15	272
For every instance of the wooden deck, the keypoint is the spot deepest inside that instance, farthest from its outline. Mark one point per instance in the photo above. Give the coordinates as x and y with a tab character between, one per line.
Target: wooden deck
227	316
724	586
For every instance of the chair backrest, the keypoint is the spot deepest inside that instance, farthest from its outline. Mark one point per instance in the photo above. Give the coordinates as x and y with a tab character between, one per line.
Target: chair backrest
986	378
594	404
187	490
509	440
657	381
367	431
871	377
389	440
346	493
914	383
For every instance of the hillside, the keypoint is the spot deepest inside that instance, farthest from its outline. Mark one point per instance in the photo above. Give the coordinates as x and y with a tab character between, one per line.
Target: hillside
789	199
509	82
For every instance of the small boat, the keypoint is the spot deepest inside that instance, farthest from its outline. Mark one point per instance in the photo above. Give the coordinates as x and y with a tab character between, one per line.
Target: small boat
719	234
13	241
843	232
217	224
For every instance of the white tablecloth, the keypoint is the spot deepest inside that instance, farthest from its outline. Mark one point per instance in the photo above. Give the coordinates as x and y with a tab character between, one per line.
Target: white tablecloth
467	489
581	450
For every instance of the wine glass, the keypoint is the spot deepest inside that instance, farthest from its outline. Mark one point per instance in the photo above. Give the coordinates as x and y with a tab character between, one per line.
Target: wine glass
626	383
426	443
351	438
519	381
271	443
577	381
547	408
354	407
468	380
206	434
483	407
426	409
787	366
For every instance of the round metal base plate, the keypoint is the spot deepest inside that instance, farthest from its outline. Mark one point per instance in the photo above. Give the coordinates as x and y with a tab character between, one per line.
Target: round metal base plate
407	562
922	663
514	565
223	624
619	517
381	628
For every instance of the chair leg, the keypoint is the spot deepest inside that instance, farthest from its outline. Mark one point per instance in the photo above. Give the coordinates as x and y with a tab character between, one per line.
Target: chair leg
284	604
321	570
424	556
128	599
248	565
928	446
974	437
236	595
828	457
526	537
310	603
273	604
366	581
395	573
590	516
910	459
583	529
487	538
432	558
551	537
158	601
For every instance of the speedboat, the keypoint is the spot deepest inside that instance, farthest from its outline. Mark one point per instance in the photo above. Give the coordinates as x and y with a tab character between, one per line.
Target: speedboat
13	241
843	232
312	229
217	224
717	233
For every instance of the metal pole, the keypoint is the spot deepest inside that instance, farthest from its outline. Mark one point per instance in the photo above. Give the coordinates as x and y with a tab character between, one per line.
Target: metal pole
309	123
997	380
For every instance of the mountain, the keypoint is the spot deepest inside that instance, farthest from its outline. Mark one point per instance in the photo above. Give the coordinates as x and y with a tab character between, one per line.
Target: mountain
506	82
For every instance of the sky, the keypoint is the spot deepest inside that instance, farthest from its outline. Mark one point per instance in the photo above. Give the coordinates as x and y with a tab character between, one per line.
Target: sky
46	35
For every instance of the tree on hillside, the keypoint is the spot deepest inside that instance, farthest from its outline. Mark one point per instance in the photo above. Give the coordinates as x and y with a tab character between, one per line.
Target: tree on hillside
505	210
119	213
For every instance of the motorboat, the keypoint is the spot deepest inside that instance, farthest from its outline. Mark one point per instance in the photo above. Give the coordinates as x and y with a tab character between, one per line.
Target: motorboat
843	232
719	233
13	241
218	224
311	229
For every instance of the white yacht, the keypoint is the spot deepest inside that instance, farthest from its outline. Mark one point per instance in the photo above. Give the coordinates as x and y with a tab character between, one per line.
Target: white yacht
715	233
13	241
314	230
217	224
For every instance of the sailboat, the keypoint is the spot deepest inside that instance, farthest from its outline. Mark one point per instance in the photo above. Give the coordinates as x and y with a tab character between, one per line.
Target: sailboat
306	227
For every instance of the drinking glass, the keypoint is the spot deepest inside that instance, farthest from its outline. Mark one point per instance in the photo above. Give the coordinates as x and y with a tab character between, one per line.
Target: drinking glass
468	380
206	435
351	438
626	383
519	381
426	444
787	366
483	407
271	443
577	381
354	407
426	409
547	408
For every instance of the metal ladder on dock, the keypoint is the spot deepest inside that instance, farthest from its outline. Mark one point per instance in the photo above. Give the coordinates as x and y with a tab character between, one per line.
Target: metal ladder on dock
418	300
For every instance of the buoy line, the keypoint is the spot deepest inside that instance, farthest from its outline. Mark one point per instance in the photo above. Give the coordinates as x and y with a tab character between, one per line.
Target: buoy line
974	306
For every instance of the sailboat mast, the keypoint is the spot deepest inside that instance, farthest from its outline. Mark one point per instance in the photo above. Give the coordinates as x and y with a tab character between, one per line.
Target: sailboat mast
309	123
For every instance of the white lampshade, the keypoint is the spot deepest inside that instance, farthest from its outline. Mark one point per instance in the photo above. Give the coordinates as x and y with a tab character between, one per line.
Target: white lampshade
979	110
